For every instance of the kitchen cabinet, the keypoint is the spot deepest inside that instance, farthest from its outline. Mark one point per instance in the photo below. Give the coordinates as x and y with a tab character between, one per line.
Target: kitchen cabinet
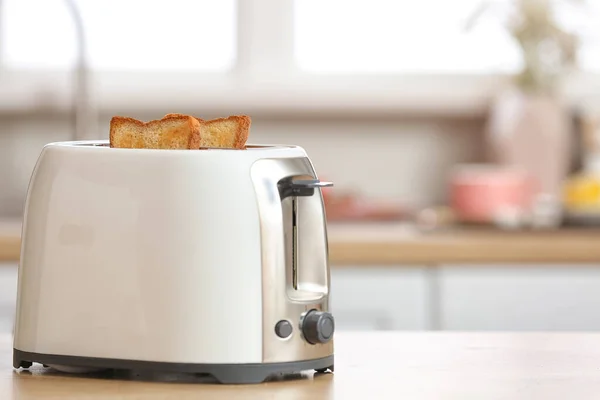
519	297
385	298
512	297
8	296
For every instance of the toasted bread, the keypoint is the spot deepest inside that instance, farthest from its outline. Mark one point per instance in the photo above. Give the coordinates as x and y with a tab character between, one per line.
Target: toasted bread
181	115
231	132
170	132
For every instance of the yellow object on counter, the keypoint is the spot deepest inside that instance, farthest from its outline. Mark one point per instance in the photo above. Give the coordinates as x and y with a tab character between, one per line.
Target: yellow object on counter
582	193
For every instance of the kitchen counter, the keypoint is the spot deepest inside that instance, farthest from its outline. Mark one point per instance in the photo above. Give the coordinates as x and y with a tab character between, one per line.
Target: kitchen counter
395	244
378	365
10	240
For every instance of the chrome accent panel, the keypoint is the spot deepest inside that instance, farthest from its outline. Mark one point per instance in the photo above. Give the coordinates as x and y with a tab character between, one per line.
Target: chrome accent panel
280	300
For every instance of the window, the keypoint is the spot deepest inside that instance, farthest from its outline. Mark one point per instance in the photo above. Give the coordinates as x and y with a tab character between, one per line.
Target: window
276	54
329	36
425	36
121	34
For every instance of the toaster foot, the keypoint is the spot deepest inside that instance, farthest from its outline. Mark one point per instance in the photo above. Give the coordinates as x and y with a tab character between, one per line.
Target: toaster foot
323	370
23	364
19	362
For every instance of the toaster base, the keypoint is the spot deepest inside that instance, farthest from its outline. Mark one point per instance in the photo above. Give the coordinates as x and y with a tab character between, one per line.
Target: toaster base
224	373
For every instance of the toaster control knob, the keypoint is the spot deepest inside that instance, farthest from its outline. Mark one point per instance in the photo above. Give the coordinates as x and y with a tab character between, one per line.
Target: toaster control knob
318	327
283	329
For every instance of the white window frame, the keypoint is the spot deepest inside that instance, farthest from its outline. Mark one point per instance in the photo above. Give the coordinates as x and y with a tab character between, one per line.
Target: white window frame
265	80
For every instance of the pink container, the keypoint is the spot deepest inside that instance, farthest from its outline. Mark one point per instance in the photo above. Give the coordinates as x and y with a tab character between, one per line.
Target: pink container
479	192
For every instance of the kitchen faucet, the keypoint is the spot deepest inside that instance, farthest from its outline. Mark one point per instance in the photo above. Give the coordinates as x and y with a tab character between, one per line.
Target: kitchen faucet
81	110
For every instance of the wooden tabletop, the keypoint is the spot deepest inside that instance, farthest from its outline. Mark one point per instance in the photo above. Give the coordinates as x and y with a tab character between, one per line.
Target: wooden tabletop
382	365
400	244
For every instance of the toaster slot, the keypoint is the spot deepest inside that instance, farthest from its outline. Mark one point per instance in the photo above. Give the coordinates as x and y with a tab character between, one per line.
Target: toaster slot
304	236
294	243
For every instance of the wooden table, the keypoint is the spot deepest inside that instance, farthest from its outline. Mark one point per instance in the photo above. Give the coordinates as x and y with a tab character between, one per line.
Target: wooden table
382	365
395	244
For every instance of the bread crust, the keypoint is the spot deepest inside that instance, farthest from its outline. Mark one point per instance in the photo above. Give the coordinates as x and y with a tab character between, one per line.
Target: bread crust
117	122
182	115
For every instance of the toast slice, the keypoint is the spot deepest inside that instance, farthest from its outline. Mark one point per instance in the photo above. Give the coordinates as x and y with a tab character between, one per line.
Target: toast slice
231	132
170	132
182	115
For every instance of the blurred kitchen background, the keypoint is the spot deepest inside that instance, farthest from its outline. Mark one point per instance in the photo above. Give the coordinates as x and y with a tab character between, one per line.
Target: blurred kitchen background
463	136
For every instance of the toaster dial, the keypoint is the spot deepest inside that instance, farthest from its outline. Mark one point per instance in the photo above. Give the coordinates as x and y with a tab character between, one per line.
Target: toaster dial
318	327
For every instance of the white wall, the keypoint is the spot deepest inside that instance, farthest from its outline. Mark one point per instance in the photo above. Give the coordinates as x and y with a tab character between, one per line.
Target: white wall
397	157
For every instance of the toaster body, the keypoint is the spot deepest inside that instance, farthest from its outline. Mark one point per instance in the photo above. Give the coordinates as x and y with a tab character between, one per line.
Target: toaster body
211	261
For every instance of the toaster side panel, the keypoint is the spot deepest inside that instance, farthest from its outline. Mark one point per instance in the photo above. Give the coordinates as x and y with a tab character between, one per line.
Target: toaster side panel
142	256
295	269
32	239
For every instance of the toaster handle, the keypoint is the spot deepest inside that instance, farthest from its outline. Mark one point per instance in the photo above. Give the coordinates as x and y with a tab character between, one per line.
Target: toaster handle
300	187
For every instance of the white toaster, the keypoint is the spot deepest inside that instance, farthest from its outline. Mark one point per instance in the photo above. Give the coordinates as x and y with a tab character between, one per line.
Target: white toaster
193	261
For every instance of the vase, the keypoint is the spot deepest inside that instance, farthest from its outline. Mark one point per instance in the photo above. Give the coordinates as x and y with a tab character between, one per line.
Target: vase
532	132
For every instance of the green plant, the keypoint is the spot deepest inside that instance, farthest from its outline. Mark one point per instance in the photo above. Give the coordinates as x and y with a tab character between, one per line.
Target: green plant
548	50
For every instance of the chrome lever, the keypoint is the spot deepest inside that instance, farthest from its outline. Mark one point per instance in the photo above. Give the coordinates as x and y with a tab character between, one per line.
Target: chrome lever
300	187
